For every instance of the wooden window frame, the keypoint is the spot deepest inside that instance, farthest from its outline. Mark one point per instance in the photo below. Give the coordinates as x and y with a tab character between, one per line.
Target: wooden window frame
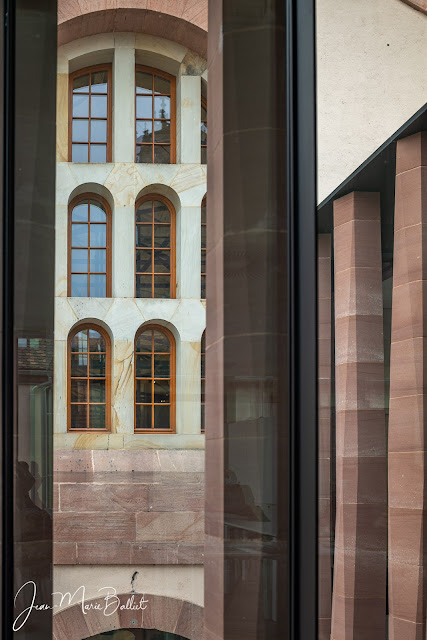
73	203
72	333
170	336
81	72
172	80
204	146
168	203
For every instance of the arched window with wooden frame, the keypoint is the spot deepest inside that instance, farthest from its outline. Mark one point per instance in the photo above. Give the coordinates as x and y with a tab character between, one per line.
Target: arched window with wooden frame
155	116
154	380
203	250
89	379
89	247
90	115
203	381
204	131
155	223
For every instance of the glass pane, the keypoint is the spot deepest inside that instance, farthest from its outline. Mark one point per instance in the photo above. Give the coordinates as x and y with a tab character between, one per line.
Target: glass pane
98	131
78	416
98	106
80	153
99	82
78	365
78	390
162	261
203	391
161	155
161	417
143	261
162	286
80	106
162	234
98	153
203	231
161	391
98	235
161	366
161	212
144	107
144	82
97	416
79	286
79	260
98	260
81	84
98	286
143	391
204	156
144	235
143	417
204	134
161	342
161	85
203	113
79	342
143	365
80	130
144	341
144	153
203	214
97	213
79	237
97	391
80	212
96	341
162	107
143	286
203	288
97	365
144	131
203	261
144	212
162	131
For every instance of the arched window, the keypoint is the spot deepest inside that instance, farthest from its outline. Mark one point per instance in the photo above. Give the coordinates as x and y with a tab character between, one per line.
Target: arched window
154	379
155	248
155	116
203	250
204	132
89	247
203	379
89	384
90	115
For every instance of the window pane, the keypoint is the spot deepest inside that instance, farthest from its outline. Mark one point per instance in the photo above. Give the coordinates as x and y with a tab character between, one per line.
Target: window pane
143	261
79	236
97	213
144	131
81	84
97	416
161	342
98	153
98	260
204	156
203	214
98	235
98	106
144	82
161	366
162	107
162	131
161	155
79	342
144	212
203	289
98	286
143	342
99	82
144	153
78	365
143	417
161	212
80	106
143	391
144	107
78	416
143	365
162	235
98	131
80	153
79	286
78	391
80	130
162	286
161	391
161	417
97	365
143	286
203	261
97	391
162	261
204	235
80	212
79	260
144	235
204	133
203	113
96	341
161	85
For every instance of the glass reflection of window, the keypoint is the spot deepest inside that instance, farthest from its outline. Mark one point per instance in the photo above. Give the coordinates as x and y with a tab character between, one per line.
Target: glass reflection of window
89	237
203	250
204	132
203	379
155	248
90	115
89	397
155	116
154	379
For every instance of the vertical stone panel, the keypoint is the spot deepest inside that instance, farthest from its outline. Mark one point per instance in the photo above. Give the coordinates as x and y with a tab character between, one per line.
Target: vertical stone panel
359	594
408	395
124	98
189	109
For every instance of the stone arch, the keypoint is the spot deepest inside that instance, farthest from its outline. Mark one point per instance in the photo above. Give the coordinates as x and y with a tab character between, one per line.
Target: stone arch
163	613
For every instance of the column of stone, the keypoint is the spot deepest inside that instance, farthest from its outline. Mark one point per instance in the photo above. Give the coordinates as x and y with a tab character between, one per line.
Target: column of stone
408	396
124	98
188	130
359	592
325	340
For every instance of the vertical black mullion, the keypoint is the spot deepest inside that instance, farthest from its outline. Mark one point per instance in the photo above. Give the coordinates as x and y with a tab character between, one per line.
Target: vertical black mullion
302	283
